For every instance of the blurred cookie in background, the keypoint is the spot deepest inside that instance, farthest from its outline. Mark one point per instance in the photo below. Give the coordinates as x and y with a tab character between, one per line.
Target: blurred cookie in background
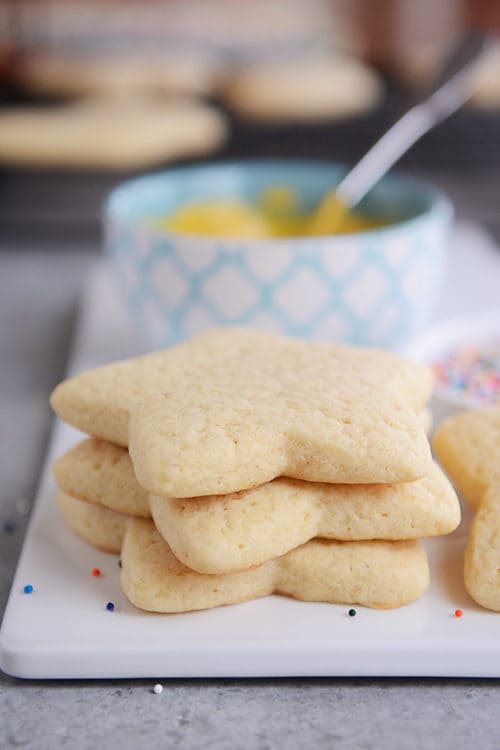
103	133
303	90
72	75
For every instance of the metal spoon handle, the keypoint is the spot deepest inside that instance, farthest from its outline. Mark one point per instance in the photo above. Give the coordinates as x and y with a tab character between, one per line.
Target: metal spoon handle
453	88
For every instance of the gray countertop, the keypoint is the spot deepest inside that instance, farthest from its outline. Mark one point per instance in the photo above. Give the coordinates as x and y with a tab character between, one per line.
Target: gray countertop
38	296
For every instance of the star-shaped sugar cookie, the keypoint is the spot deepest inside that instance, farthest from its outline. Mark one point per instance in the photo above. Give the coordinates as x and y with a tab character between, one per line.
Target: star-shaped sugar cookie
468	446
224	533
376	574
235	408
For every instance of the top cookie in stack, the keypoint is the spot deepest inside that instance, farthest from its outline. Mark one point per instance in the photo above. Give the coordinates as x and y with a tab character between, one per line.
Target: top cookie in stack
234	410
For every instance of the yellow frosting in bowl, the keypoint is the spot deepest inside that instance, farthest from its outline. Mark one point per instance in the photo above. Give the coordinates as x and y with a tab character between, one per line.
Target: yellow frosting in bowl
275	215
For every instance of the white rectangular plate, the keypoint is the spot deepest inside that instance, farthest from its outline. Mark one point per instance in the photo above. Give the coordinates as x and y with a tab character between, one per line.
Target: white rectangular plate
63	628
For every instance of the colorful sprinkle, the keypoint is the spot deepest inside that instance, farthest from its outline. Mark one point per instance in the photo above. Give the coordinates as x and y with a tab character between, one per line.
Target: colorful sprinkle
458	613
471	372
110	607
96	572
158	689
119	563
352	613
28	589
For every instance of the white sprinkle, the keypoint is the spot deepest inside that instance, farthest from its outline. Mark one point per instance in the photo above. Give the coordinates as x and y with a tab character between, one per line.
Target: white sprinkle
158	689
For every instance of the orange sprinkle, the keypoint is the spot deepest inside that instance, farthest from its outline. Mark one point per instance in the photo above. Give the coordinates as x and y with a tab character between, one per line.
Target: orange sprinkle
96	572
458	613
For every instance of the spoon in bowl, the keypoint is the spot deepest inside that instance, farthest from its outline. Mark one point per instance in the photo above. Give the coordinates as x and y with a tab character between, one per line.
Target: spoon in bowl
452	89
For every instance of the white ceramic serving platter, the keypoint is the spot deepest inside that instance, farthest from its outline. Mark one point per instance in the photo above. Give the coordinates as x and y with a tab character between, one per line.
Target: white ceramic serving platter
63	629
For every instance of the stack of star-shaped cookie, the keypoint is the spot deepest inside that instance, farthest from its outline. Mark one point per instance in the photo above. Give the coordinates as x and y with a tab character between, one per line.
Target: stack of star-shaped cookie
241	464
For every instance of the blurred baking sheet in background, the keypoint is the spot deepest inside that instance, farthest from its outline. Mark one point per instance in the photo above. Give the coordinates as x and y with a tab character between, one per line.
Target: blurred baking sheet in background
58	55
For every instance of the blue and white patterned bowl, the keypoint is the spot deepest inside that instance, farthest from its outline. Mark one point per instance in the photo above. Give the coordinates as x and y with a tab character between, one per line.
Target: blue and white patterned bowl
376	287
